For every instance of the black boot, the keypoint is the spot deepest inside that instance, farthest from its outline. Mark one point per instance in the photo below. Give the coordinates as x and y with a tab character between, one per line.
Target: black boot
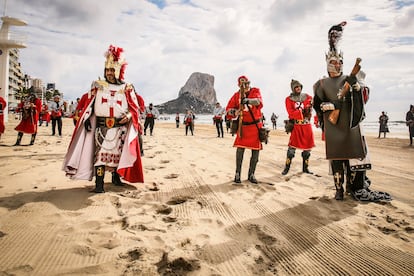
116	179
287	166
237	178
19	139
305	162
32	140
99	179
252	167
239	160
339	180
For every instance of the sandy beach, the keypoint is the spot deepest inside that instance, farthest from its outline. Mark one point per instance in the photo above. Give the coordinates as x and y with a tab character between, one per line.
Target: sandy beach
189	219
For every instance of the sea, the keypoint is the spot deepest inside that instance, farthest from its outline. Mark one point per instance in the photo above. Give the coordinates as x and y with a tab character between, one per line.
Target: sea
397	129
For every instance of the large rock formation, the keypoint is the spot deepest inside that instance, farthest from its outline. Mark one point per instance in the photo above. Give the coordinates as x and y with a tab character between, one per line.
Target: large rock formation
197	94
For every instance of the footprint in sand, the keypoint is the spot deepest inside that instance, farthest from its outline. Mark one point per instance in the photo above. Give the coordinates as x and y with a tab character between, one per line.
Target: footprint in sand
133	254
178	266
178	200
164	210
171	176
84	250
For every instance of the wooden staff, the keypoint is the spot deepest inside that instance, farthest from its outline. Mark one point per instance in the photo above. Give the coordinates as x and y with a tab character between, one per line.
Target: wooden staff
334	115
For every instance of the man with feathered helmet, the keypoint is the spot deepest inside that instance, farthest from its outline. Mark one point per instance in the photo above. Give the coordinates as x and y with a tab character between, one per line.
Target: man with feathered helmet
106	136
344	142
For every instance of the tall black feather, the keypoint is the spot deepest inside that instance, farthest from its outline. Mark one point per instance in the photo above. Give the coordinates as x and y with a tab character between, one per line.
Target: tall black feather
334	35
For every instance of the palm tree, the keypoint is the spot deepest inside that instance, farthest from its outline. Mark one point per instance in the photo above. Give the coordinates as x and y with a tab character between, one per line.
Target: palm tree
23	92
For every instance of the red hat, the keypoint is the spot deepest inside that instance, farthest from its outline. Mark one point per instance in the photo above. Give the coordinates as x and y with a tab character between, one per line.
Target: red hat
242	77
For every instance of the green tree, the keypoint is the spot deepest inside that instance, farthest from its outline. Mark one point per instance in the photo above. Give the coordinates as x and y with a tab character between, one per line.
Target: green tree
23	92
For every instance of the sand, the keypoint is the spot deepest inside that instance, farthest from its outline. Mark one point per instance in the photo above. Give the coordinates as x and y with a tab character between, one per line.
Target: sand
189	219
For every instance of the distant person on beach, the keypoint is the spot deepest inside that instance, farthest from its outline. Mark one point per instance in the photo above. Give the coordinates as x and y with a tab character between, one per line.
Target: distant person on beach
228	123
409	119
56	108
383	121
246	104
299	109
177	120
345	144
44	115
141	109
106	135
3	106
274	118
30	108
73	108
81	105
218	113
189	122
151	113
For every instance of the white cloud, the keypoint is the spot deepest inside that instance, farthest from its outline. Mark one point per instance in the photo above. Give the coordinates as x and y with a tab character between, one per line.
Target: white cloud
270	41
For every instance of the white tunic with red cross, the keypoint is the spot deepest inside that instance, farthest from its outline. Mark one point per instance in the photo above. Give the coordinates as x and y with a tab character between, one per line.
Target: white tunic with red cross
110	101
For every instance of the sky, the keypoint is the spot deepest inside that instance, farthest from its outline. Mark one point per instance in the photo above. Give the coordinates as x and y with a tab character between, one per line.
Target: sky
269	41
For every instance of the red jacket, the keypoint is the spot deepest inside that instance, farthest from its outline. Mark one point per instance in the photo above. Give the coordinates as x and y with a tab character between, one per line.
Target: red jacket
301	136
250	133
28	124
2	108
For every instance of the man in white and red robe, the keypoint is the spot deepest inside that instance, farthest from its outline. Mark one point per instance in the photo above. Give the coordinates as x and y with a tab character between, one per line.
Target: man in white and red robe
106	135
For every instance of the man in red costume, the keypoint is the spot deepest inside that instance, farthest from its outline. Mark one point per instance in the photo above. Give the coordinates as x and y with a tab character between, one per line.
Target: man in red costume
106	136
249	110
299	109
44	115
3	105
30	108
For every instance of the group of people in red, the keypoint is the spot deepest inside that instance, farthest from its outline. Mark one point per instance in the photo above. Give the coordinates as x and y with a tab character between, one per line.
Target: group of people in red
346	148
108	129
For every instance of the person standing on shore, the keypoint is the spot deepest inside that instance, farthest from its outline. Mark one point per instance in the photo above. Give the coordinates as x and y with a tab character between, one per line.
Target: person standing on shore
151	113
383	127
273	118
218	113
106	135
44	115
189	122
141	108
177	120
30	109
56	108
299	108
409	119
246	104
345	144
3	106
73	108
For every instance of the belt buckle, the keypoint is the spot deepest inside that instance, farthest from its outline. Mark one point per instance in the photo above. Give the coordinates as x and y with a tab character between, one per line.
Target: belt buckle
110	122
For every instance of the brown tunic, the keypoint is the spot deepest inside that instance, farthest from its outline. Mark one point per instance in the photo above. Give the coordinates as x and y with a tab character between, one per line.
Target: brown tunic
344	140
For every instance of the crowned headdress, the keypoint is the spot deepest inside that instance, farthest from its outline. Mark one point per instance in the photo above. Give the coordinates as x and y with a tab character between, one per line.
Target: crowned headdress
115	59
334	36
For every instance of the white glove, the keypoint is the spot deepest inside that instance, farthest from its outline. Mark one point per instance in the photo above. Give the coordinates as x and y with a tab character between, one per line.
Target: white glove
325	106
356	87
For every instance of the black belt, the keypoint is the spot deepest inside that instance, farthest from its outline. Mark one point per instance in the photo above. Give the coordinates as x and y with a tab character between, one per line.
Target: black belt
251	123
108	122
302	122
